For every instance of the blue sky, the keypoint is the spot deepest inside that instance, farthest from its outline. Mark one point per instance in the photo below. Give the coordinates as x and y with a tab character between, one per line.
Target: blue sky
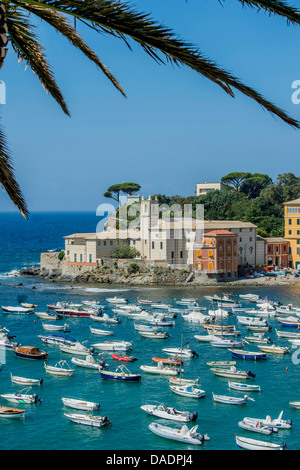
175	129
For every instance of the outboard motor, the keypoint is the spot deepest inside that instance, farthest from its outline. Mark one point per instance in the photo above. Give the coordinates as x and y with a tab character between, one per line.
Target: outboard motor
193	416
106	421
250	374
195	354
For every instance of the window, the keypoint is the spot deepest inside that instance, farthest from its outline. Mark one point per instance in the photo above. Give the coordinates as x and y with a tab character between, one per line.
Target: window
277	248
241	239
152	245
90	258
284	248
75	257
104	243
172	254
298	221
80	258
99	243
161	245
290	221
111	242
250	239
290	232
269	249
298	242
298	251
181	254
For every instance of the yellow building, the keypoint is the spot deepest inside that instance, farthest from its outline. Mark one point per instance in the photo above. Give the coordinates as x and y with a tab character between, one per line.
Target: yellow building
292	230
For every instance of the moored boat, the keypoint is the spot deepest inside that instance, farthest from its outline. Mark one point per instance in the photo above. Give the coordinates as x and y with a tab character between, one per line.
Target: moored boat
61	368
89	363
22	398
258	427
121	358
247	355
30	352
186	435
232	373
25	381
253	444
80	404
231	400
121	374
114	346
161	369
12	413
166	412
187	390
274	423
88	420
274	349
244	387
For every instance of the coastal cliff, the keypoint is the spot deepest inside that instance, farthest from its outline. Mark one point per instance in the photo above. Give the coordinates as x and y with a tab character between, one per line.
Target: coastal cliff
136	273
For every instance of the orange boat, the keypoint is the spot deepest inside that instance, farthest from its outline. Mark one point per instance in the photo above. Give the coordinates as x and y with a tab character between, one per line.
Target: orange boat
165	360
29	352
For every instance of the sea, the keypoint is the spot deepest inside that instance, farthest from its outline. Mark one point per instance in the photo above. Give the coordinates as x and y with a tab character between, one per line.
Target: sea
46	427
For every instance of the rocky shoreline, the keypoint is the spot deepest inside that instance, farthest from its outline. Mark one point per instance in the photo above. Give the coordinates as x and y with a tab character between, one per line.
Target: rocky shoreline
156	277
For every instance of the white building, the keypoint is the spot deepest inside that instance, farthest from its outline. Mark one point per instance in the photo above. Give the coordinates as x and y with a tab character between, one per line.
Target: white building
203	188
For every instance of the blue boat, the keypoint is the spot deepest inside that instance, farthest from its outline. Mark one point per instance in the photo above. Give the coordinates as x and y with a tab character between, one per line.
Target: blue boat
121	374
247	355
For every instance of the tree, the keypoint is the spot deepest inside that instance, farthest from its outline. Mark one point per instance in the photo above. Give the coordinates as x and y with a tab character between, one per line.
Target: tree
118	19
114	191
253	185
125	252
235	179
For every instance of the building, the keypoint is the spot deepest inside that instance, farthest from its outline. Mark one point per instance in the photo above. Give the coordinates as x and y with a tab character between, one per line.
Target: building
217	254
277	252
292	231
203	188
167	239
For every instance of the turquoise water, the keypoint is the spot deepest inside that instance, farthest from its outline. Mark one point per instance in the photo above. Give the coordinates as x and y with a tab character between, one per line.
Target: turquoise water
45	426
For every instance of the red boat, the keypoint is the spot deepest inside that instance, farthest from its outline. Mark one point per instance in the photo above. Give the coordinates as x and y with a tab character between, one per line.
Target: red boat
174	362
118	357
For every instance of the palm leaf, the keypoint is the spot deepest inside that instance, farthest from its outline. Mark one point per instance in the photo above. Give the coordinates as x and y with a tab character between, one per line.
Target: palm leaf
117	18
66	29
7	178
275	7
26	45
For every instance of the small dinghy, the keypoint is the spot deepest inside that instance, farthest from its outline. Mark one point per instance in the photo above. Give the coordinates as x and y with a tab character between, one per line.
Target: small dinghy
244	387
258	427
88	420
188	391
25	381
231	400
28	305
119	357
49	327
76	348
22	398
274	423
180	381
60	369
165	412
12	413
97	332
223	364
252	444
161	369
274	349
186	435
79	404
295	404
18	310
90	363
121	374
226	343
164	360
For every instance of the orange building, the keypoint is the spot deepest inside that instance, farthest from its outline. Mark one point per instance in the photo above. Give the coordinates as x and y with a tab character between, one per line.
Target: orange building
217	254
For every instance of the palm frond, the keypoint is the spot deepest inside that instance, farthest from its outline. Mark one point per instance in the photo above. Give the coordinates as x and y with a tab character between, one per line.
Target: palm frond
7	178
119	19
275	7
60	23
28	48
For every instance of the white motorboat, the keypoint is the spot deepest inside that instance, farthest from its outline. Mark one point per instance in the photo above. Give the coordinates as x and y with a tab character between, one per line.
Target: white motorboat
154	334
232	373
161	369
274	423
129	308
88	420
244	387
195	317
223	364
219	313
89	363
114	346
76	348
25	305
226	343
145	327
80	404
25	381
295	404
161	306
251	297
5	342
258	338
253	444
165	412
186	435
192	302
20	397
258	427
96	331
205	338
287	334
251	321
116	300
18	310
105	318
48	316
57	338
180	381
274	349
62	368
217	298
184	352
188	391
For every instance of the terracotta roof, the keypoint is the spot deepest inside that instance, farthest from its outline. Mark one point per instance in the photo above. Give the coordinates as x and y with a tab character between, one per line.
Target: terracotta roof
219	232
